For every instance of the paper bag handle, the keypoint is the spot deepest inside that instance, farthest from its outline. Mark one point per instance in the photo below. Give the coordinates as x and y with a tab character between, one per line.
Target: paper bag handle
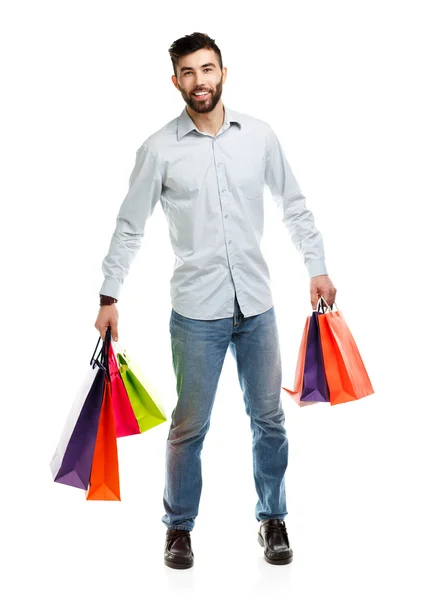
327	306
102	359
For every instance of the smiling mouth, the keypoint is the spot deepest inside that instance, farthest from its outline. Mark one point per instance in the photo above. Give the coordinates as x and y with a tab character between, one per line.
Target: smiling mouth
202	96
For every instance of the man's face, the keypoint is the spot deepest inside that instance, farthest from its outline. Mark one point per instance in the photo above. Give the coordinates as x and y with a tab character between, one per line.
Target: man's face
195	74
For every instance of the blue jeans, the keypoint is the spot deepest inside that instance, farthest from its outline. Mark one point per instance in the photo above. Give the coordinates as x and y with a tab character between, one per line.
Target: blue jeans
198	349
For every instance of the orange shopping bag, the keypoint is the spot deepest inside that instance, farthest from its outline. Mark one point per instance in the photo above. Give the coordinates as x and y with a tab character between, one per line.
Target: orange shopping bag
104	483
300	365
346	375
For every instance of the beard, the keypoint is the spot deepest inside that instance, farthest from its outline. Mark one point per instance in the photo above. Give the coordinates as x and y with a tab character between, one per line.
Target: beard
203	106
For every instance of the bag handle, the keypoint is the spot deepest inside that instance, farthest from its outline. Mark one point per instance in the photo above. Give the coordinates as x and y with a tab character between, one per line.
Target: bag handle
102	359
327	306
119	347
95	361
105	350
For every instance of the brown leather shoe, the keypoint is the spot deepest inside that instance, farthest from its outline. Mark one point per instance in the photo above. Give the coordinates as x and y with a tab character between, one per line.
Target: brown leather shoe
178	549
273	537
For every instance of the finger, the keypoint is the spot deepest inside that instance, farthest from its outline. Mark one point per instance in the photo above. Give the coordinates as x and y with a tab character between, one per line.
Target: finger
331	300
114	332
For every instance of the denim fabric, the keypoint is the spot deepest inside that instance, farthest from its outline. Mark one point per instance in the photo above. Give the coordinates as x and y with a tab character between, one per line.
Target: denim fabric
198	349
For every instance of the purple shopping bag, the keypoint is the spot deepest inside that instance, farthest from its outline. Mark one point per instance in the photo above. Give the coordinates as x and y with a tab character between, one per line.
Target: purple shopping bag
75	469
315	387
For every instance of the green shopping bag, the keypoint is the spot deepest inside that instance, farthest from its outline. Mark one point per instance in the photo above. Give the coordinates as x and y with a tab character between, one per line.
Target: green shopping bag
148	412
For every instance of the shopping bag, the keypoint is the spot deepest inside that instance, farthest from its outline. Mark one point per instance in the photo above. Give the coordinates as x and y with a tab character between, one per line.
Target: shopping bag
346	374
314	381
298	383
104	483
77	460
75	466
148	412
72	417
125	420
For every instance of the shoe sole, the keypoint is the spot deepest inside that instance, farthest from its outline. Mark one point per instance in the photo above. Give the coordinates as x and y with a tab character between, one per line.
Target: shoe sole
176	565
275	561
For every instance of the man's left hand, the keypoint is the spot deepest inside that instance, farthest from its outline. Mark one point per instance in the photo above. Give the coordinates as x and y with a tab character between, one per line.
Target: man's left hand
321	285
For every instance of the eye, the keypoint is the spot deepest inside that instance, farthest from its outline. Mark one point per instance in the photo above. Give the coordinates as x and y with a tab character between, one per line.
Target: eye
207	69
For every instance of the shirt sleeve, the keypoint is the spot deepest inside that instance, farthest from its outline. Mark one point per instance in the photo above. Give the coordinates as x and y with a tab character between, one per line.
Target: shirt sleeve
145	184
298	219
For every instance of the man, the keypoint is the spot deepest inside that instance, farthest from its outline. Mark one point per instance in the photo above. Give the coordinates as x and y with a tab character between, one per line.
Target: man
208	167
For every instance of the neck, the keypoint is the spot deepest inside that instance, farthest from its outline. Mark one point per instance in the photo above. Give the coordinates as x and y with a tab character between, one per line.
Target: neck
208	122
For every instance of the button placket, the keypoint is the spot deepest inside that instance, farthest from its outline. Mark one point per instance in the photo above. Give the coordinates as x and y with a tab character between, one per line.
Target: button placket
223	190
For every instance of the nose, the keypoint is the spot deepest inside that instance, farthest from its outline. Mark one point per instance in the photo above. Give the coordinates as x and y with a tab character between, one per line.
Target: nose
199	85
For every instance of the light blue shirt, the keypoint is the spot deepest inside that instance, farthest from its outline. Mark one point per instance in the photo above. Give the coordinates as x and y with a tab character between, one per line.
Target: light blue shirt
211	191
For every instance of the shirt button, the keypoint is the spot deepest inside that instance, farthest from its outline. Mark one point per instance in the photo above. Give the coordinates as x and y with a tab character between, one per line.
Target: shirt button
223	190
230	241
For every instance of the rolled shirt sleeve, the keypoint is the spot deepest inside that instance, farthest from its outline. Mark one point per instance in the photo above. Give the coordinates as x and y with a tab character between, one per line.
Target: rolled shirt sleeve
298	219
145	184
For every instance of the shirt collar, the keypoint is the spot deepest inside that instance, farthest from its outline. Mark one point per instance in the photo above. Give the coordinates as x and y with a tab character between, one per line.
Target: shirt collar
185	123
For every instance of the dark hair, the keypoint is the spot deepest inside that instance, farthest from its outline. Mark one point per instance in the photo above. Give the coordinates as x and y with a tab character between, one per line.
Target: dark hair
191	43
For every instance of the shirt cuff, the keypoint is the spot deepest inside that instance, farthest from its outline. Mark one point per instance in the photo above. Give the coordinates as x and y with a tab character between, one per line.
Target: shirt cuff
317	267
110	287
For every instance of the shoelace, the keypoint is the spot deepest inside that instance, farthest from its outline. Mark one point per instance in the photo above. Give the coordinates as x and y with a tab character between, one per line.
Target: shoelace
175	533
273	527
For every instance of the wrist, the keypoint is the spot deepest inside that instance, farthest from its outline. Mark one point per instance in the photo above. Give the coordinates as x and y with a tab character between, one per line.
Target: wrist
107	300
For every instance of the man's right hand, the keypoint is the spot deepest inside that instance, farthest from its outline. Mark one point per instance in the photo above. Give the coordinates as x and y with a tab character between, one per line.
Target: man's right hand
108	315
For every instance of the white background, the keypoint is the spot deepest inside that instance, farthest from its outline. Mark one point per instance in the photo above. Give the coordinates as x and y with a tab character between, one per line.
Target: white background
84	83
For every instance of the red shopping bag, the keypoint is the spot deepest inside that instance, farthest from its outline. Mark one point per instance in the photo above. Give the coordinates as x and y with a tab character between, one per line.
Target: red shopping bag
126	423
346	374
104	483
